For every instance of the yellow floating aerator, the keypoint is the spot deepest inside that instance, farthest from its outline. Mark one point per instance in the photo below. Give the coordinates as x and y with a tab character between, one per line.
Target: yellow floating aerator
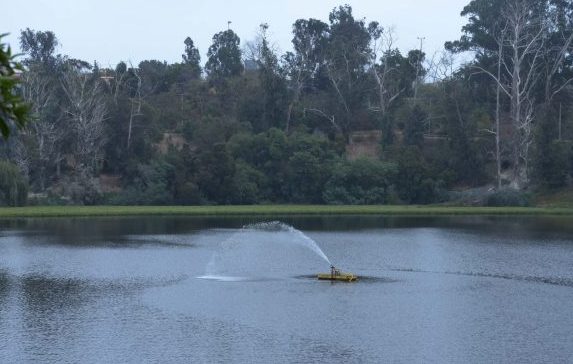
337	275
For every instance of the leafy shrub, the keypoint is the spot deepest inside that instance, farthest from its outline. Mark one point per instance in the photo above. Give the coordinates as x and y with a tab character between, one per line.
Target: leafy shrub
363	181
152	185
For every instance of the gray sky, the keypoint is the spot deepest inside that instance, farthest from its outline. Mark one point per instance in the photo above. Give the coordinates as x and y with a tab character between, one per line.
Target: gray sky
112	30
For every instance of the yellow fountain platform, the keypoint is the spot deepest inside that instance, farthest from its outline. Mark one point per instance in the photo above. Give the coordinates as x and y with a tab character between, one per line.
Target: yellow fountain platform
336	275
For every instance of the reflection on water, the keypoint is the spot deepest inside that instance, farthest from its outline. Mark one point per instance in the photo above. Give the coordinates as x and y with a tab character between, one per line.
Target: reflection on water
432	289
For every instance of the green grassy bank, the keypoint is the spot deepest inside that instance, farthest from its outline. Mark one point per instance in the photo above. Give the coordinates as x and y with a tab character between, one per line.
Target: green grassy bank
82	211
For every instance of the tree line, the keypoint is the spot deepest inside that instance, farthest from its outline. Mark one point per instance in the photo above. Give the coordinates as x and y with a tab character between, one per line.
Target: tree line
251	125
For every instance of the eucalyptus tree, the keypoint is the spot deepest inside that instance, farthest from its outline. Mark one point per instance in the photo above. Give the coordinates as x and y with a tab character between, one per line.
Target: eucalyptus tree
155	76
224	56
192	59
525	40
40	46
273	82
482	35
347	55
393	74
303	67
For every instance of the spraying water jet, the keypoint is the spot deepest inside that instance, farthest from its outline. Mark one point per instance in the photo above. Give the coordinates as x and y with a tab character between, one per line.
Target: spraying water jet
269	250
266	250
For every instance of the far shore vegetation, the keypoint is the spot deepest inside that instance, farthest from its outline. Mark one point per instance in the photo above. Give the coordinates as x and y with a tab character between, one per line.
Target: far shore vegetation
272	210
343	118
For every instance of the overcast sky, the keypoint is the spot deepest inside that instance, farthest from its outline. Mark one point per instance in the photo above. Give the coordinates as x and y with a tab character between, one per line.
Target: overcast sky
112	30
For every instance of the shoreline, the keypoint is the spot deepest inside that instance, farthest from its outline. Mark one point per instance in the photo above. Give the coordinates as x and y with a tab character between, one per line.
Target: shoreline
278	210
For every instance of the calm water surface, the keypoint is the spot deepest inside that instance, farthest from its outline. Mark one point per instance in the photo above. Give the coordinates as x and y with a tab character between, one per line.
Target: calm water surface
132	290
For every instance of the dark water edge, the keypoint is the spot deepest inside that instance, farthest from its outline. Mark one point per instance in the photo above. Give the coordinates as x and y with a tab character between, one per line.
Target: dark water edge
179	224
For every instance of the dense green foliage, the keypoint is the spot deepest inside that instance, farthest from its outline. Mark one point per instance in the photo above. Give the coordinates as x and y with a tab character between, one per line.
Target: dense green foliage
13	110
363	182
343	118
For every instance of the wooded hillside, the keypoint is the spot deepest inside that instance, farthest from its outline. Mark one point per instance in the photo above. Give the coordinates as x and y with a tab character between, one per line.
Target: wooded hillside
343	118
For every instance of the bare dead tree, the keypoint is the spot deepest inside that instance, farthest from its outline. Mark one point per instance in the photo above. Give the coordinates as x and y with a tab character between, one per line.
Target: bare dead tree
521	45
496	131
301	67
340	74
441	66
46	135
253	49
135	105
298	82
118	84
86	110
304	63
335	80
20	155
388	92
526	43
418	64
498	115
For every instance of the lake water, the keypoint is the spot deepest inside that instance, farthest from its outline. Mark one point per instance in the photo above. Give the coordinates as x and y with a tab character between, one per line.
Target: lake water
203	290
